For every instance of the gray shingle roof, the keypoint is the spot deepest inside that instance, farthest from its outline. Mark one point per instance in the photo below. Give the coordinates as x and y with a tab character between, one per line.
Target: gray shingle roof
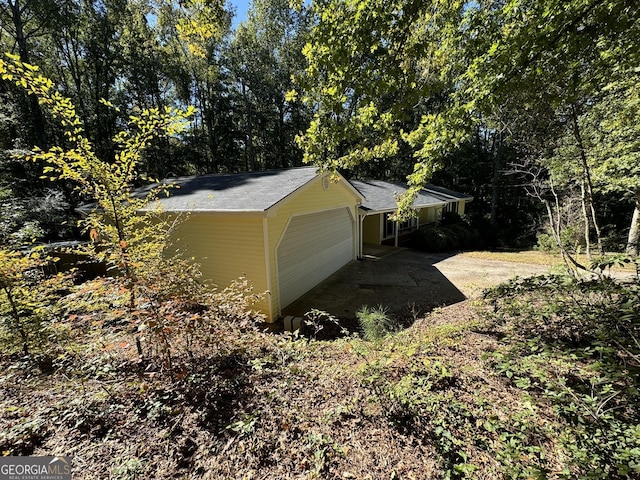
447	194
381	196
235	192
259	191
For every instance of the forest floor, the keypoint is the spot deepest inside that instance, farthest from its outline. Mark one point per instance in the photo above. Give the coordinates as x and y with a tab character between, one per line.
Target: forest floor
300	409
444	398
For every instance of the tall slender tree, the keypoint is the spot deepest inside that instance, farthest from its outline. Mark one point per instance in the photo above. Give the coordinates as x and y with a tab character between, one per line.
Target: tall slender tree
264	55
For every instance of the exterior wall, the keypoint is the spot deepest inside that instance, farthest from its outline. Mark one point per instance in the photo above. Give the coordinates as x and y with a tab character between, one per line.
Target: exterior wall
311	198
456	206
372	229
227	247
429	215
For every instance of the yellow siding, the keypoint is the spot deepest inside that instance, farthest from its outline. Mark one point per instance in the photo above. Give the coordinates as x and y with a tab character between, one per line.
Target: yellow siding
227	247
429	215
371	229
311	198
461	205
423	216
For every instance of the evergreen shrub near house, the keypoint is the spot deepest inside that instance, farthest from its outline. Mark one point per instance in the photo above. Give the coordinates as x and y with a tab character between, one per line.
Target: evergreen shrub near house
452	233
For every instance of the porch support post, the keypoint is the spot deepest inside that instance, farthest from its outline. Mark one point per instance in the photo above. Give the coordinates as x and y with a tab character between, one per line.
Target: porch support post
360	235
397	228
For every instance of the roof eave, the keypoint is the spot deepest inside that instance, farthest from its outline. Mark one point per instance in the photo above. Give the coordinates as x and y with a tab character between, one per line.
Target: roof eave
368	211
238	212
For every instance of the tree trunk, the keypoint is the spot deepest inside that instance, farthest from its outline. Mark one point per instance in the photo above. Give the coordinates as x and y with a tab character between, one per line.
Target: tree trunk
587	183
585	217
250	161
556	225
17	321
633	240
281	139
497	163
23	51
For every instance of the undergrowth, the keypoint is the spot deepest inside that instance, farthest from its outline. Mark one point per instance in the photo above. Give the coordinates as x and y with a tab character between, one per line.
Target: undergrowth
574	345
541	383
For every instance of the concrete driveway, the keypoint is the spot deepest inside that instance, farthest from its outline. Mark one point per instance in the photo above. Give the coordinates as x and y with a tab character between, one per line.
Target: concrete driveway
407	282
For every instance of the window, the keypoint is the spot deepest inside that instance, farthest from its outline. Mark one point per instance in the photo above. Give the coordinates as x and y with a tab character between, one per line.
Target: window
451	207
411	223
390	225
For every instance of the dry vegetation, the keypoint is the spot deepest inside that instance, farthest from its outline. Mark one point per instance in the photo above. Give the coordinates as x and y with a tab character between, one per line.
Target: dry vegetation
466	392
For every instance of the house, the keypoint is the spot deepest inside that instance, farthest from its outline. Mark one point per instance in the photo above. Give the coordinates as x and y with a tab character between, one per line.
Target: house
285	230
376	226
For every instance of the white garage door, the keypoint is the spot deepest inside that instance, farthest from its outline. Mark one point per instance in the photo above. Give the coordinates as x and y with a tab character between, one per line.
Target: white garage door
312	248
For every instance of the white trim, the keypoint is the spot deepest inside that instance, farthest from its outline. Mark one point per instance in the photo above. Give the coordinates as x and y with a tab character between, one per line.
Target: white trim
390	210
353	214
396	227
361	235
277	260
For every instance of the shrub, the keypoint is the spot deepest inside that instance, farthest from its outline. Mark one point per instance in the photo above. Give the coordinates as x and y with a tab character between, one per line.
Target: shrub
574	344
375	322
28	302
546	243
443	238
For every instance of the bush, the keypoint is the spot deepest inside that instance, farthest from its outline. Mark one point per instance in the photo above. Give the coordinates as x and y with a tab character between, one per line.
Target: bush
546	243
375	322
574	345
443	238
572	239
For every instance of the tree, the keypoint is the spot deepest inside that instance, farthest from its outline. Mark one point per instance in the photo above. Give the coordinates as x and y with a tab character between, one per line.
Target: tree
126	233
265	53
192	35
451	66
614	122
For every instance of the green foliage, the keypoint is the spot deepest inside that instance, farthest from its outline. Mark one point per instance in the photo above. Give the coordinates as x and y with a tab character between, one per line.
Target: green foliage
575	345
28	302
516	81
605	263
23	435
126	469
413	391
569	358
446	238
129	233
571	238
375	322
200	24
546	243
264	55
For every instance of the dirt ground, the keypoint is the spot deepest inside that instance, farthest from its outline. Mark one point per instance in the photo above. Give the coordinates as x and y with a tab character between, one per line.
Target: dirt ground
407	282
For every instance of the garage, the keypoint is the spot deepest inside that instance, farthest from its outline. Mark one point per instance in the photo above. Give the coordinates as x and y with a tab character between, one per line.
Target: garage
313	247
281	231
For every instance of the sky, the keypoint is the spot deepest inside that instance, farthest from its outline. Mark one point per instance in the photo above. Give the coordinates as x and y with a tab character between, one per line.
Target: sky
241	7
